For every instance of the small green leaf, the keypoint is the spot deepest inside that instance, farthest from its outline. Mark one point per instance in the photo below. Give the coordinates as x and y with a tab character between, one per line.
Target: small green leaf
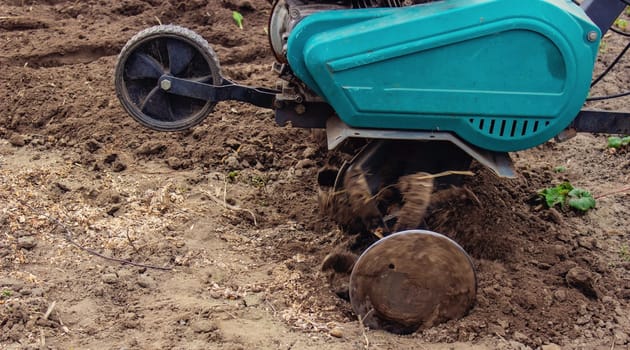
556	195
621	24
232	175
560	169
238	18
552	197
581	200
625	141
614	142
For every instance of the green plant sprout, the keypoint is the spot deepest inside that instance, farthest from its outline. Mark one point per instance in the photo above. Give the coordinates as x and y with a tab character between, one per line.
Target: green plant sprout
621	24
259	181
618	142
232	175
581	200
559	169
577	198
238	18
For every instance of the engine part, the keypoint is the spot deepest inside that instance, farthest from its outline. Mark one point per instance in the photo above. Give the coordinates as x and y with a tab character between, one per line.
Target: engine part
286	14
412	279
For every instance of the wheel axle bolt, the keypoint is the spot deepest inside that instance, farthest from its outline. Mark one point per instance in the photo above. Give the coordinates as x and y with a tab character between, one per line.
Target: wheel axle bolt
165	84
300	109
592	36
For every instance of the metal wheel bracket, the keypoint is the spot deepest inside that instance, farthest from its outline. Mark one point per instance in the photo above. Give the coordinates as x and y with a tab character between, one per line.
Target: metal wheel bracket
260	97
499	162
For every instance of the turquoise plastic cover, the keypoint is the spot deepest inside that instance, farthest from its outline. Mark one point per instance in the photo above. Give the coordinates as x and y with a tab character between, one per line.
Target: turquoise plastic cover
502	75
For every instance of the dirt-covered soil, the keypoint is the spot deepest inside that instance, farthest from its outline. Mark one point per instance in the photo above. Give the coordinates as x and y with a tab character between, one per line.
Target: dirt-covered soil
223	221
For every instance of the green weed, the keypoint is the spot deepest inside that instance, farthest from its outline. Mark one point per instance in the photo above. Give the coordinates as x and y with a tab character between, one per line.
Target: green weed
238	18
559	169
258	181
618	142
621	24
232	175
563	194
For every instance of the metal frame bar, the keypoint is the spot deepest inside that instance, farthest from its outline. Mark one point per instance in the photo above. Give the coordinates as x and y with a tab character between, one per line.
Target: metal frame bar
261	97
596	121
603	12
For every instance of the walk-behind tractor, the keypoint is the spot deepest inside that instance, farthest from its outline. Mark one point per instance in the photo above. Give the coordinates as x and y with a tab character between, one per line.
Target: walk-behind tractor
423	88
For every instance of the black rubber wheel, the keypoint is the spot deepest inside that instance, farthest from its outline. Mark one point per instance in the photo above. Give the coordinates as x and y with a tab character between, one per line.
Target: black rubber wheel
159	50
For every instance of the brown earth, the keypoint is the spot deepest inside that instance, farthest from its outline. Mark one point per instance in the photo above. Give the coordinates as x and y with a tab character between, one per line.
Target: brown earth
229	210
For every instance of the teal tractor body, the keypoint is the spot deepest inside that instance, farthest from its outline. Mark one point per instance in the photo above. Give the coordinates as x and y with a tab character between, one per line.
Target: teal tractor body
501	75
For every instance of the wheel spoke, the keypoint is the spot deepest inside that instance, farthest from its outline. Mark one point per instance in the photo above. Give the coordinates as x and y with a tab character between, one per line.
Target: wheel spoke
143	66
156	105
180	55
137	90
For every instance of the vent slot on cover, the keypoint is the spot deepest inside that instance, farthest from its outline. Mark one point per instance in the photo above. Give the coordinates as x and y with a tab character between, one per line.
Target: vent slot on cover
509	128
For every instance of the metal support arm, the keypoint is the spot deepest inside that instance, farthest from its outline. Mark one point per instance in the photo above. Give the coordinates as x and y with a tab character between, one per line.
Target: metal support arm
607	122
603	12
260	97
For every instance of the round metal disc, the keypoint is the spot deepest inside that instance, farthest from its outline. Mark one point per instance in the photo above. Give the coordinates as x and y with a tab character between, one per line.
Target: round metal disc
153	53
410	280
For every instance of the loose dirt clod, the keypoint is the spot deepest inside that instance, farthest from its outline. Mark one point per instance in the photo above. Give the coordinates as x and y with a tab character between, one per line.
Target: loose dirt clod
27	242
21	23
583	280
203	326
145	281
17	140
336	332
110	278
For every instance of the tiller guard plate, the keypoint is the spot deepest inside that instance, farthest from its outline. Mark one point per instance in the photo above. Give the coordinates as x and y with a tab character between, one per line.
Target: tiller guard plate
410	280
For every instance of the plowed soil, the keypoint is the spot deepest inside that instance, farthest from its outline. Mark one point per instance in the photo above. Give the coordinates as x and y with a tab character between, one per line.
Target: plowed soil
222	221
